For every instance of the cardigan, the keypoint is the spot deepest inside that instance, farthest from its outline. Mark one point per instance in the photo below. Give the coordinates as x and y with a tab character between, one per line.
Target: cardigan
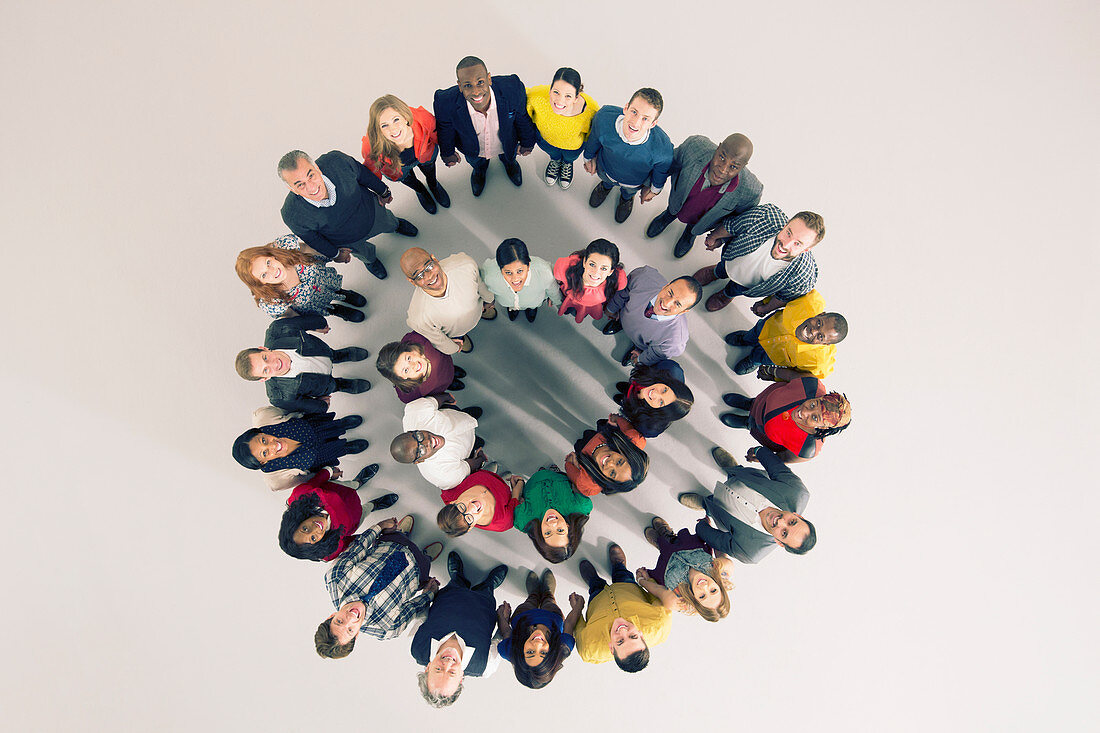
549	490
424	142
457	311
580	478
540	285
630	165
341	503
502	492
567	133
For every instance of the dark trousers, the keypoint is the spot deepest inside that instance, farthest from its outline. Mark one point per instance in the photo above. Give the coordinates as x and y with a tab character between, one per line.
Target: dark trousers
758	355
384	223
482	164
463	581
619	574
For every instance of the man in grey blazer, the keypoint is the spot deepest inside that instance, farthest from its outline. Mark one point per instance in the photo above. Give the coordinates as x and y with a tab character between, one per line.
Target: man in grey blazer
754	510
297	366
709	182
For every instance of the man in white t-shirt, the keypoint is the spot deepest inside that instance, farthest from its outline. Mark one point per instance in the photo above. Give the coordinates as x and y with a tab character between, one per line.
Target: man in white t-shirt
441	442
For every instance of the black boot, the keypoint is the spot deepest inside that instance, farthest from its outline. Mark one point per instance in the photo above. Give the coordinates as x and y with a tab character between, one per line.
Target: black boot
422	194
348	314
352	298
438	191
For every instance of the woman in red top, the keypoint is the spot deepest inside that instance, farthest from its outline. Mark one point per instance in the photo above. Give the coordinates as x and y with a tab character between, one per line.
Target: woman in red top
483	501
609	459
399	140
792	419
588	278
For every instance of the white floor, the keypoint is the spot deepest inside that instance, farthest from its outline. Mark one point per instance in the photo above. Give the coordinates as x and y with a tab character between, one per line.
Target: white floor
942	143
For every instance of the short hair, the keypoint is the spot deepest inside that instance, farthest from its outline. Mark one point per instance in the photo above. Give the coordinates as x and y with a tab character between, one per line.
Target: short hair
452	521
652	96
694	286
635	662
808	543
436	701
243	364
387	359
840	323
400	447
289	162
813	221
469	61
242	453
575	522
327	646
512	250
569	76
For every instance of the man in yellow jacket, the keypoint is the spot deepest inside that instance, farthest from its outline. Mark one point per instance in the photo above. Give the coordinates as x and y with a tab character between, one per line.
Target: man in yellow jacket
797	341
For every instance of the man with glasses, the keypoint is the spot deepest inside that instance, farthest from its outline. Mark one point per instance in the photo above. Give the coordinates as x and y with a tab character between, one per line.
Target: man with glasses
440	442
449	300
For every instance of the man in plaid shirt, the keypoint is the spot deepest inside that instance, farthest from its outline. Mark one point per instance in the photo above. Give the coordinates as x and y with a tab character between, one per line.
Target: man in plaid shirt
784	270
374	585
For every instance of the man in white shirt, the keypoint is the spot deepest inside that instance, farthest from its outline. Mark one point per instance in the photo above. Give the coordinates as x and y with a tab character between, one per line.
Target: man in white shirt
440	442
449	300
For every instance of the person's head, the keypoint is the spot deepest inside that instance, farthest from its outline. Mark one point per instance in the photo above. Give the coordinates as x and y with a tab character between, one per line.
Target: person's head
389	128
824	328
459	517
441	680
660	399
261	364
514	261
802	233
474	82
729	158
253	448
264	269
628	646
335	636
823	416
423	270
415	446
302	176
641	112
598	263
617	465
706	594
404	364
791	530
564	89
555	537
305	532
679	296
536	653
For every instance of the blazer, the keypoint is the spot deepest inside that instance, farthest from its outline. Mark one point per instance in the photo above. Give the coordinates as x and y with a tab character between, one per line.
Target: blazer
778	484
455	129
688	162
469	613
299	393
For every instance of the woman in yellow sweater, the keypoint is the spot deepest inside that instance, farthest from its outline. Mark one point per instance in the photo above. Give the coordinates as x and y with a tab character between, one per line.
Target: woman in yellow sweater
562	112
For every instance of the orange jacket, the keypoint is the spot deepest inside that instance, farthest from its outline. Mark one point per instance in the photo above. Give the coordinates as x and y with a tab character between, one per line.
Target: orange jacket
424	140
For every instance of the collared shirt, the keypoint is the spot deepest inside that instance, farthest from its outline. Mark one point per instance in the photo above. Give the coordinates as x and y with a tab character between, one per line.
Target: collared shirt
783	347
384	576
325	202
751	231
620	600
467	653
487	128
654	316
619	129
306	364
742	503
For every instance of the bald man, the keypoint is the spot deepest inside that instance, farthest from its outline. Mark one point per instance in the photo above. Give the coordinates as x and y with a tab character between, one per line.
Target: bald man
449	300
709	182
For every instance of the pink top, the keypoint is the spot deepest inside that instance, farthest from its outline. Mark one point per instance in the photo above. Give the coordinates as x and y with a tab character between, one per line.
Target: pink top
487	128
589	300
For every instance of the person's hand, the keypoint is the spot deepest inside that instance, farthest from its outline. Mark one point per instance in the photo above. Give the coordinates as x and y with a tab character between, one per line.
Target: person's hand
646	194
388	525
327	399
767	372
458	342
517	482
487	308
525	149
705	519
761	309
751	456
432	586
576	601
590	166
344	255
548	303
571	460
335	473
641	575
451	159
714	239
326	329
633	360
504	612
387	198
448	398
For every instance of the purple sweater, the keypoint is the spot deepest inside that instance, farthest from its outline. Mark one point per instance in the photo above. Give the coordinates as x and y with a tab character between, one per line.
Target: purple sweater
655	339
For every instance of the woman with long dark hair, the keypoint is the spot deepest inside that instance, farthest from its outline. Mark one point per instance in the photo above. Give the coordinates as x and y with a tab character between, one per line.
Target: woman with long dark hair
609	459
654	397
689	577
322	516
536	639
588	278
553	514
302	445
519	281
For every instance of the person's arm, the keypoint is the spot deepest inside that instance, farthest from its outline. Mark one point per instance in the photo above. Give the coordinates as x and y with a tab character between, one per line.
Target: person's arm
592	145
320	244
667	598
477	461
773	373
367	179
504	613
576	608
659	173
293	325
768	305
525	126
435	336
305	405
517	483
720	540
618	301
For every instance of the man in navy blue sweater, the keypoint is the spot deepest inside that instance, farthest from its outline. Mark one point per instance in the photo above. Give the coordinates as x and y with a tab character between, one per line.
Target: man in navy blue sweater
482	117
627	149
336	205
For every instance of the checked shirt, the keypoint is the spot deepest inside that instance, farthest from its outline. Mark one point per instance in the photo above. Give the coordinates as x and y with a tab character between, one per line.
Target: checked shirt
383	575
755	228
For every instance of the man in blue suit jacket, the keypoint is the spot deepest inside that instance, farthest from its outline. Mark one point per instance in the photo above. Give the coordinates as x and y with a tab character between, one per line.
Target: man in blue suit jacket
482	117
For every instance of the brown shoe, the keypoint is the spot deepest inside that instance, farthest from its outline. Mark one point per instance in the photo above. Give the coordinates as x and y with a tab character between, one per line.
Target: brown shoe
405	524
722	457
532	583
650	536
468	343
615	554
599	195
549	582
691	501
663	527
718	301
705	275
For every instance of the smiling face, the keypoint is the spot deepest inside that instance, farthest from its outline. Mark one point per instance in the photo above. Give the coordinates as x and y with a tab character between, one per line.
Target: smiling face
306	181
562	97
625	638
597	267
312	531
554	528
820	329
787	528
704	589
427	444
515	273
268	270
639	116
267	364
444	671
266	447
793	240
345	623
657	395
812	415
537	646
412	365
424	271
613	465
674	299
395	128
473	85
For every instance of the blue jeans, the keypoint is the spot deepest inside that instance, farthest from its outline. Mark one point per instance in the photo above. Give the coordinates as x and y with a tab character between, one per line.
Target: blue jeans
626	192
619	574
559	153
758	356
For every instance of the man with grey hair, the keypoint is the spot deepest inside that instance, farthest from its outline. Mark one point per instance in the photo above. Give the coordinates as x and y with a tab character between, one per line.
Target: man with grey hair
336	205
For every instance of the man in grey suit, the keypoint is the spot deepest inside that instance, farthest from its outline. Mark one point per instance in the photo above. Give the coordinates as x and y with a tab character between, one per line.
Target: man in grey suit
754	510
709	182
297	366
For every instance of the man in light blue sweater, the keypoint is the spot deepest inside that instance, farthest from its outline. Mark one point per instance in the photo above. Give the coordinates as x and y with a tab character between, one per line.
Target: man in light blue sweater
625	148
652	312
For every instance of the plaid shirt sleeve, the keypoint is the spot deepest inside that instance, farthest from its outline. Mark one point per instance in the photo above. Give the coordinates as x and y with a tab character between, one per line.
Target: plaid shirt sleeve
751	230
800	278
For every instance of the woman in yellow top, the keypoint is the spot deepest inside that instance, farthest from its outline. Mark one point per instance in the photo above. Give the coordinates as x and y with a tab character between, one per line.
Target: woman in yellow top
562	112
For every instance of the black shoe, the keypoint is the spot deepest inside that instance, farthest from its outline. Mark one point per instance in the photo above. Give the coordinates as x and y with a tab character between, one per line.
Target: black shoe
659	224
588	572
351	353
553	170
622	211
737	338
618	399
460	372
357	446
440	194
599	195
622	386
425	200
454	565
351	422
496	577
352	298
352	386
745	366
383	502
737	401
477	181
532	314
512	314
366	473
613	326
377	269
456	385
406	228
625	361
566	176
515	175
683	244
474	411
733	420
348	314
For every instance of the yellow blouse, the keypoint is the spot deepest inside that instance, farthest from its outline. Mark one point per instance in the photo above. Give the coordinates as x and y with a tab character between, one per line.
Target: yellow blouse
567	133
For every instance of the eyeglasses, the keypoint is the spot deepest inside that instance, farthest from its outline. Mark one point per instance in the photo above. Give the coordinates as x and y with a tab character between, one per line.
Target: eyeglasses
469	518
420	447
428	269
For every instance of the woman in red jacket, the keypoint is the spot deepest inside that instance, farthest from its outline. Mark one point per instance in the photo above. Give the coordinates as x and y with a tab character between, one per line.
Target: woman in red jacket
399	140
483	500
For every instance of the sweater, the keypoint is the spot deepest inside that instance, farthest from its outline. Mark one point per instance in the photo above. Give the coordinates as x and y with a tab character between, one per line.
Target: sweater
567	133
502	492
630	165
540	285
457	311
341	503
424	142
656	340
442	374
549	490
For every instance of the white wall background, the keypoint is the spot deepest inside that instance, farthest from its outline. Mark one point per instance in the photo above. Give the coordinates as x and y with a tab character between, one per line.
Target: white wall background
945	143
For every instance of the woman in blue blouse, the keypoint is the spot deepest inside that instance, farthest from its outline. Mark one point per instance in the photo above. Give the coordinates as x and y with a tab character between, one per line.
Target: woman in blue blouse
520	282
536	639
